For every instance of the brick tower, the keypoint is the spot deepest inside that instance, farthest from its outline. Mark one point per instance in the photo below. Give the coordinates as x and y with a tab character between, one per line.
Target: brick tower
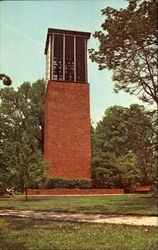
67	147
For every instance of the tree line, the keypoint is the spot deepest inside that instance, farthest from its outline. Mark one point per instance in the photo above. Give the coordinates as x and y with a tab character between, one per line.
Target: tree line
124	149
123	143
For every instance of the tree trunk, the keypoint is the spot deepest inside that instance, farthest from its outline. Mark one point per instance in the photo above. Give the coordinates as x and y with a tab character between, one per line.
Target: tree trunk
26	197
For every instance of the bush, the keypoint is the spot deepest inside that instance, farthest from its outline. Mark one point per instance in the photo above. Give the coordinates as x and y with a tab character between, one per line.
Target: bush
68	183
154	188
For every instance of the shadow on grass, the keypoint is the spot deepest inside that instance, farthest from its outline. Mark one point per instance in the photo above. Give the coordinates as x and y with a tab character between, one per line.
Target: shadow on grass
93	209
11	245
11	207
11	242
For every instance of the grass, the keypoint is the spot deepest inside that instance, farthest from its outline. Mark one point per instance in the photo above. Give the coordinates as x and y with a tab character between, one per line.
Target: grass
112	204
25	234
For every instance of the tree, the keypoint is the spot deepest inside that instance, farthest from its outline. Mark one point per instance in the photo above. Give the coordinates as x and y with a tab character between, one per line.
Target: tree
5	79
24	167
22	111
128	46
125	137
22	125
109	171
105	170
129	172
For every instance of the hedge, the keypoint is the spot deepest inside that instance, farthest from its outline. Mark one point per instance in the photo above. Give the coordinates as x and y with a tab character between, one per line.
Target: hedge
68	183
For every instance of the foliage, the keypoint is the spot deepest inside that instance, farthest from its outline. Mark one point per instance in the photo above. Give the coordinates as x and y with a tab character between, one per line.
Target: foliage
5	79
104	170
154	188
128	46
24	166
68	183
111	172
129	172
21	115
124	153
22	111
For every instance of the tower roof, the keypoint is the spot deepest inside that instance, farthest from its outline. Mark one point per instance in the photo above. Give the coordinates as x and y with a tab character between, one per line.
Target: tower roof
65	32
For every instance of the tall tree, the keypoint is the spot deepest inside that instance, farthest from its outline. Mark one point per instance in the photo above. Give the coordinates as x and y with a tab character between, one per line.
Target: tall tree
21	130
128	46
22	111
124	135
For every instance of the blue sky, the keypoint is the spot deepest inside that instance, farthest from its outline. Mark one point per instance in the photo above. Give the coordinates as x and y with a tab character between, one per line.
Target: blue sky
23	28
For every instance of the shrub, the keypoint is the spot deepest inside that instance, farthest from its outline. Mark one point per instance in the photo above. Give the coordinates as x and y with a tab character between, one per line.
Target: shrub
68	183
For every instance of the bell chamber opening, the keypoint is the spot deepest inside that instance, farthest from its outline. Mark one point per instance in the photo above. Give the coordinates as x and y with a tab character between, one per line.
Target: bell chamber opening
66	55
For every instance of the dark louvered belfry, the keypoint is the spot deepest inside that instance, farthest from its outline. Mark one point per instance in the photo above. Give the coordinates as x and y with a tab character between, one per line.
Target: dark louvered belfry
66	55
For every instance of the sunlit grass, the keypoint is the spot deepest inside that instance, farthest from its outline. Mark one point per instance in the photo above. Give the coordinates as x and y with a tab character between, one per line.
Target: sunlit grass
25	234
112	204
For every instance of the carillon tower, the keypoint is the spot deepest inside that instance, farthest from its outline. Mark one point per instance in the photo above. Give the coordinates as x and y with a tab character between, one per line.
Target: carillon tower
67	146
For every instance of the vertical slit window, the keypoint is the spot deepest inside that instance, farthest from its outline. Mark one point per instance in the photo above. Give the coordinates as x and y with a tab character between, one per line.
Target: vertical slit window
80	59
69	58
58	58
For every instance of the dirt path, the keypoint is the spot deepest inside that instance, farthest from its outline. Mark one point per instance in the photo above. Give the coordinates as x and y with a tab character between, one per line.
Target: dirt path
81	217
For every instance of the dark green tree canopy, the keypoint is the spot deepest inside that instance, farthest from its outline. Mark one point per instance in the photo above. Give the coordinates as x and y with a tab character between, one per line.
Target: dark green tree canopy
128	46
22	111
123	148
21	135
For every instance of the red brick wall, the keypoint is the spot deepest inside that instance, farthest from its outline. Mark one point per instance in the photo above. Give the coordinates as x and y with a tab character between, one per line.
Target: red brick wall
74	191
67	130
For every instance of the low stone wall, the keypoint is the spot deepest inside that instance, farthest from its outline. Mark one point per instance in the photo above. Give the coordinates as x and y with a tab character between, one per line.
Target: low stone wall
74	191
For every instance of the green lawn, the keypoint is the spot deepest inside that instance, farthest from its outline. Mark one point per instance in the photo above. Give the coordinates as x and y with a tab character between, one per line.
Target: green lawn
112	204
25	234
